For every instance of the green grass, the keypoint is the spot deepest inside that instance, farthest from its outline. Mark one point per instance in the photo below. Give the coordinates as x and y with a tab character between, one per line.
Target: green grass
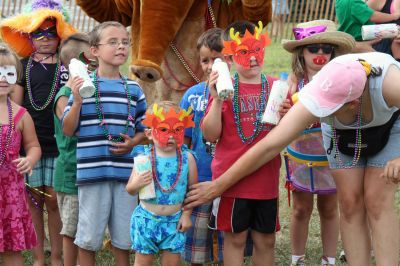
276	61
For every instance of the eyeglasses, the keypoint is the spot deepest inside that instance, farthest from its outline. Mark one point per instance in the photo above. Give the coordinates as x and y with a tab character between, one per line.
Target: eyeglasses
115	43
50	33
326	48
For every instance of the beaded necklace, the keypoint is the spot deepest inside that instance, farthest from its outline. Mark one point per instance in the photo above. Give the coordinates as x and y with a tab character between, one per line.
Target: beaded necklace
100	112
236	110
54	86
4	150
154	170
205	100
358	143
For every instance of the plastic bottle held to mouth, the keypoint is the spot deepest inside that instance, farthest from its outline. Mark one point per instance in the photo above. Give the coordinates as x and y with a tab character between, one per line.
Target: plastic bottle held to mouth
78	68
224	83
278	94
141	164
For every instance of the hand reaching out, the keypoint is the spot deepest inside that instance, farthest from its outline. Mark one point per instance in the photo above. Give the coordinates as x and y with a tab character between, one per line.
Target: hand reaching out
24	165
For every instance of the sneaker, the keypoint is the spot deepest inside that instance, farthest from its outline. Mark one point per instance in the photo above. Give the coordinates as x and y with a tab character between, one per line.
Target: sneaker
342	256
325	261
300	262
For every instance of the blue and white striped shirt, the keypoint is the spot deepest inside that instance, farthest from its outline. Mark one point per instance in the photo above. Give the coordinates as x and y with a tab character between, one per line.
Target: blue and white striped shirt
95	162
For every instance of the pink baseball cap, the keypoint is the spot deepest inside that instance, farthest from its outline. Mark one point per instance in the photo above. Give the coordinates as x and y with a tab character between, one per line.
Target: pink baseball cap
337	83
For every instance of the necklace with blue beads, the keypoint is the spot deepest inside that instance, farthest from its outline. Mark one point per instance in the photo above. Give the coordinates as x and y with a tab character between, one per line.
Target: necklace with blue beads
236	109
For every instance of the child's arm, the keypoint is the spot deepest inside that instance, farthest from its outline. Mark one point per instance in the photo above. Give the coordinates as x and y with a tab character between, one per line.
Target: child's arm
31	146
17	95
137	181
71	119
212	121
62	102
184	222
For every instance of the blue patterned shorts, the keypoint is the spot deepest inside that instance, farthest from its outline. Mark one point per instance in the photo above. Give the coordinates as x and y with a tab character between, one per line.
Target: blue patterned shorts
151	233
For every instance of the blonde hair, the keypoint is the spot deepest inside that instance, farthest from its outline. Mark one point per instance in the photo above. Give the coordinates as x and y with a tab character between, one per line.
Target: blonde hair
166	105
8	57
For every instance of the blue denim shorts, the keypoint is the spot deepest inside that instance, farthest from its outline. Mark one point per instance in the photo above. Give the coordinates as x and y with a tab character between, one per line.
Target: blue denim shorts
389	152
100	205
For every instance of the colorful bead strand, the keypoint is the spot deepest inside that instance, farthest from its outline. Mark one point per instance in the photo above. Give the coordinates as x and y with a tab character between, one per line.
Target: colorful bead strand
154	169
236	109
100	112
358	142
4	150
54	86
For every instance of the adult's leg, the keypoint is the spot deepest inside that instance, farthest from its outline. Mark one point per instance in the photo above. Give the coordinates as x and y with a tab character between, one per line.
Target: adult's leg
234	244
301	213
353	218
329	217
12	258
263	248
54	226
36	203
379	201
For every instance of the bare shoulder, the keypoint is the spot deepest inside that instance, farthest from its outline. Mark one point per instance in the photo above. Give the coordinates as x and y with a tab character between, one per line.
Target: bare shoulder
390	90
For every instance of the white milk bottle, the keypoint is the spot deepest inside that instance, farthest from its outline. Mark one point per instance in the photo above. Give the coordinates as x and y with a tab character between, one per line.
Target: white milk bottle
141	164
224	83
78	68
278	94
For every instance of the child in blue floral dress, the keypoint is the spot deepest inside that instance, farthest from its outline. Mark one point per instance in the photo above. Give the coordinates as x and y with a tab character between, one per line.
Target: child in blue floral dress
158	224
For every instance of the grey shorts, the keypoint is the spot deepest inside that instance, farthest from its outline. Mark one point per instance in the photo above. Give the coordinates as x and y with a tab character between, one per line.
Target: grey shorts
101	205
389	152
69	209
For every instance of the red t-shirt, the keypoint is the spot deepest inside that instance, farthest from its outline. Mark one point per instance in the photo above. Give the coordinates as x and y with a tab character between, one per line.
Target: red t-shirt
262	184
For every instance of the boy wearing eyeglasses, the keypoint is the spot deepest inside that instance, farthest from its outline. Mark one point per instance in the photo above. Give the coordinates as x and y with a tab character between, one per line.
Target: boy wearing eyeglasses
109	125
315	44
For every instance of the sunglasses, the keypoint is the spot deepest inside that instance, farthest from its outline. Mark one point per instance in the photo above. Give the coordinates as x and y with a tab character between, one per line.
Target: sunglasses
50	33
326	48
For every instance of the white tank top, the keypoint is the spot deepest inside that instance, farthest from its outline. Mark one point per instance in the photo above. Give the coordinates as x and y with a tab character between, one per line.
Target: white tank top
380	110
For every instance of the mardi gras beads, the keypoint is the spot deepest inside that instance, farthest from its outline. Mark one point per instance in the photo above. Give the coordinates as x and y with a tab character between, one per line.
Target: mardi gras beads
236	110
358	143
4	149
100	112
155	175
54	85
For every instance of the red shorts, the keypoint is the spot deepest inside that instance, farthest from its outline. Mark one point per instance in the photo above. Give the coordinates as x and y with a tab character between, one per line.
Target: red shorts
237	215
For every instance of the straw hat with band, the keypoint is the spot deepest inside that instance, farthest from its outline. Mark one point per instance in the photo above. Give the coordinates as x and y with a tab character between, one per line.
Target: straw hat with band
15	30
319	31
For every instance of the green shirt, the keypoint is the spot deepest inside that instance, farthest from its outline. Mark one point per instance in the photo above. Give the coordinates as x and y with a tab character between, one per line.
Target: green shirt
65	173
352	15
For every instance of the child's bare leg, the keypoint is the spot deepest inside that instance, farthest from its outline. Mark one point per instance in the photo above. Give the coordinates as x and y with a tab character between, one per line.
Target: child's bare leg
121	256
87	257
234	244
329	217
302	208
143	259
170	259
70	251
263	248
11	258
36	209
54	226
